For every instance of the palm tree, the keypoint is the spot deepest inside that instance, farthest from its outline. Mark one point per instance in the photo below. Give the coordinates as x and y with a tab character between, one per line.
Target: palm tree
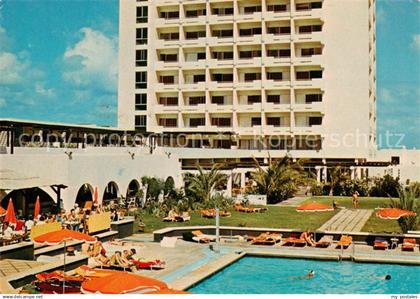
336	176
281	179
205	183
408	200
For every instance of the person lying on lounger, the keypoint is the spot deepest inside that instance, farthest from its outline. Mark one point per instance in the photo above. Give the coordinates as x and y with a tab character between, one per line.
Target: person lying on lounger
308	237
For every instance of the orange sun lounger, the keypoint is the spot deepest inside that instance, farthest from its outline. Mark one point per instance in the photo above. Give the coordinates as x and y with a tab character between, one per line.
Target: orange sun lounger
294	240
380	243
265	239
408	244
345	241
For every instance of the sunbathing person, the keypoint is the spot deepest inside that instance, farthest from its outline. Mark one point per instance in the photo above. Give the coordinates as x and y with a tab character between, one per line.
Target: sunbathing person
308	237
143	264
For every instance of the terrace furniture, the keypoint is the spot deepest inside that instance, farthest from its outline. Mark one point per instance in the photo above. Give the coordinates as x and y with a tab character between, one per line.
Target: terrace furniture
380	243
408	244
325	241
294	240
202	238
266	239
394	243
345	241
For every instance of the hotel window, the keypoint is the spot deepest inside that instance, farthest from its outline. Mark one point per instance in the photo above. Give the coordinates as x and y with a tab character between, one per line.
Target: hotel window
142	12
223	11
169	36
195	34
222	143
193	101
311	51
168	101
249	31
141	36
169	14
168	122
276	76
169	57
222	77
219	100
277	7
195	13
308	75
279	30
140	121
252	77
195	122
220	122
199	78
273	98
249	54
167	79
201	55
141	79
141	58
308	6
254	99
141	102
310	98
273	121
223	33
252	9
256	121
278	53
315	120
310	28
222	55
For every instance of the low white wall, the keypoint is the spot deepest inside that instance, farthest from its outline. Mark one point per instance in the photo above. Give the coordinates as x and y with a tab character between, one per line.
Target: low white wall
95	166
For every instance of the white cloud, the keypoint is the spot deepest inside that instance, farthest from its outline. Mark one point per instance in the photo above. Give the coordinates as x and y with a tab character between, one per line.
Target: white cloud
12	68
92	61
2	103
40	89
415	42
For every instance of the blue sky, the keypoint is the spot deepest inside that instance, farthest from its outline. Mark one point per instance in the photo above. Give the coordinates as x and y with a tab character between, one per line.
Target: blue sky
58	62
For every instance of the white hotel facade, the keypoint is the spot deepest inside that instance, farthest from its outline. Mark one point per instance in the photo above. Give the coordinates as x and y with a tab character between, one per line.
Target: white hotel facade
217	81
251	78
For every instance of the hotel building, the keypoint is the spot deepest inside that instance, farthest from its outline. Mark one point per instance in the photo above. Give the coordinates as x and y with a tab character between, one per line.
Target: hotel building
286	76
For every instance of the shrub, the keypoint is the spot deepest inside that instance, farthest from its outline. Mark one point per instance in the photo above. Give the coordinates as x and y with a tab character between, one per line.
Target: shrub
386	186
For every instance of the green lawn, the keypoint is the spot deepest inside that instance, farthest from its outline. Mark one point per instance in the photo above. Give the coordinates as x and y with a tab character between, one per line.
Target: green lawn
286	217
364	202
275	217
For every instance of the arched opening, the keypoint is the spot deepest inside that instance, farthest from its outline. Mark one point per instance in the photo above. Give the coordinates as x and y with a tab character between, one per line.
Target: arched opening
133	188
111	193
24	201
85	194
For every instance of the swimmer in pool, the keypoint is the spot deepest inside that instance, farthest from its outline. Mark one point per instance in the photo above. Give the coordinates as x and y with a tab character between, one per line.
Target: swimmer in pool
309	275
385	277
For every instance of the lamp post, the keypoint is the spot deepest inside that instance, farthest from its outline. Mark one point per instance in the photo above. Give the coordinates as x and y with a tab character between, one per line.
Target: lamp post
217	247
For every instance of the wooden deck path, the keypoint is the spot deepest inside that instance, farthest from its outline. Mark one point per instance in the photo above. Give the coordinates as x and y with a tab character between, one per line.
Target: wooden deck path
348	220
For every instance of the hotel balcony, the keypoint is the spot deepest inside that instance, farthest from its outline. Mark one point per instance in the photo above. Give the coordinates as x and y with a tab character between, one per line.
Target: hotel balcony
221	79
195	13
277	9
250	33
305	9
249	10
308	30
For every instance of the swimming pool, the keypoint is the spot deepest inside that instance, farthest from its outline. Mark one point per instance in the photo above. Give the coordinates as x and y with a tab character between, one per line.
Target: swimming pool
267	275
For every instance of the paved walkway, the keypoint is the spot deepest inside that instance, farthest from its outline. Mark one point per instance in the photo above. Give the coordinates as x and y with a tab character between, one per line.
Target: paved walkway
292	202
348	220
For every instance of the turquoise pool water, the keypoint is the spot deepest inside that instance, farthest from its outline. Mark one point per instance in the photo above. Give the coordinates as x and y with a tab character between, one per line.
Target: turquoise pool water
260	275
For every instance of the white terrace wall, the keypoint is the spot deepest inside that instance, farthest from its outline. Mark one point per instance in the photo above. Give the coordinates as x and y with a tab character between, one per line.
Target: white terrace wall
95	166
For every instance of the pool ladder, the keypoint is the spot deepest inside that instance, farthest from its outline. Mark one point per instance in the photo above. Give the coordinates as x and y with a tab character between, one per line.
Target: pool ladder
340	256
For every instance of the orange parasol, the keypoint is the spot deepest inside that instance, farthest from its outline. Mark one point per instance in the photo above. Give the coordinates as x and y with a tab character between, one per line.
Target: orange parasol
120	282
37	208
314	207
95	196
2	211
10	213
394	213
60	236
168	291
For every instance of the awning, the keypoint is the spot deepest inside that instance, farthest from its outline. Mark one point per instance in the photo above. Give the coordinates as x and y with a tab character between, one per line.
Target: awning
12	180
